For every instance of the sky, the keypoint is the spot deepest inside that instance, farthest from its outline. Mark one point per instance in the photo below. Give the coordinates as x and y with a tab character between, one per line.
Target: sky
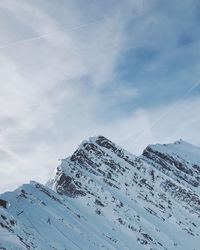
72	69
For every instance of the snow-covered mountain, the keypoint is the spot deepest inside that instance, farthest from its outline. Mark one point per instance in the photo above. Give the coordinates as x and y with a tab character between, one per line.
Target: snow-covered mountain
103	197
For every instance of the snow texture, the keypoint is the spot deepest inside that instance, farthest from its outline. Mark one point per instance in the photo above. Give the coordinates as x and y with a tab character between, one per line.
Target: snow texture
103	197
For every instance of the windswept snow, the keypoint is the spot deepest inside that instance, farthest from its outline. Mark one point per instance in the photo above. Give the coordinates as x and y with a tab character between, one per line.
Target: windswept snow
103	197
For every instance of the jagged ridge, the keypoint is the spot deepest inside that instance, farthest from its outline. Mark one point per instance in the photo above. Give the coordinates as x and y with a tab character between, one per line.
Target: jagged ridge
103	197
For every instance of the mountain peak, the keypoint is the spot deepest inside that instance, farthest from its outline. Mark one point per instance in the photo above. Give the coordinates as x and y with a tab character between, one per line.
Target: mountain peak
99	139
102	141
177	147
180	141
103	197
180	160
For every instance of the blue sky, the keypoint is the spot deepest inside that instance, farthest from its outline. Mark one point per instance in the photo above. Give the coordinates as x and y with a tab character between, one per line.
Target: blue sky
73	69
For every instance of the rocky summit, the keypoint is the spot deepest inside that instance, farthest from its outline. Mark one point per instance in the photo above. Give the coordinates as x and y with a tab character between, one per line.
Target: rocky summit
103	197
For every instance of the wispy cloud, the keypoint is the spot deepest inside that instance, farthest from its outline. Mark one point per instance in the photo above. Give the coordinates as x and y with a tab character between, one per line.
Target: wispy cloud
70	70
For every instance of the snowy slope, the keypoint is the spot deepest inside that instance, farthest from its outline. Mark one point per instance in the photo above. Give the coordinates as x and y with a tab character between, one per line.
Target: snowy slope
180	160
103	197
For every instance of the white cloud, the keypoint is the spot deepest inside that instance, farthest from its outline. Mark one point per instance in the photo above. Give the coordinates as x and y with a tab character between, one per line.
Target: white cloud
160	125
43	96
179	120
50	88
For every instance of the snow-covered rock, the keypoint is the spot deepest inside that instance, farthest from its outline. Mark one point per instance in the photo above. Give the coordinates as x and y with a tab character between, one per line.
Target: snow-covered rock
103	197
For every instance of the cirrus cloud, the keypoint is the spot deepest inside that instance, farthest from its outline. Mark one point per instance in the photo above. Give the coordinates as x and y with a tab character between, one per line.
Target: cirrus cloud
71	70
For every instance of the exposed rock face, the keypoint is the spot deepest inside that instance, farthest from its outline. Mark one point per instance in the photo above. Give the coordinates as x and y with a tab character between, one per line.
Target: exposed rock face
103	197
3	203
67	186
172	163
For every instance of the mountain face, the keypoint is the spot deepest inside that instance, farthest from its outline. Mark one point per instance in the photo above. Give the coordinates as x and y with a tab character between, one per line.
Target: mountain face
103	197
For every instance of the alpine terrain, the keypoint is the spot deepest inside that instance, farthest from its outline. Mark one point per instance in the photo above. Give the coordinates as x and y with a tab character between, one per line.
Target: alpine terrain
103	197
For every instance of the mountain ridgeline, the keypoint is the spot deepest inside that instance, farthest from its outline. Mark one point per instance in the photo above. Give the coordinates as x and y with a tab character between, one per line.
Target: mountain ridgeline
103	197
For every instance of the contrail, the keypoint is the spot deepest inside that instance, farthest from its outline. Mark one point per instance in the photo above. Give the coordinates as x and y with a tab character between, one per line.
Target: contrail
137	137
45	35
9	152
185	95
